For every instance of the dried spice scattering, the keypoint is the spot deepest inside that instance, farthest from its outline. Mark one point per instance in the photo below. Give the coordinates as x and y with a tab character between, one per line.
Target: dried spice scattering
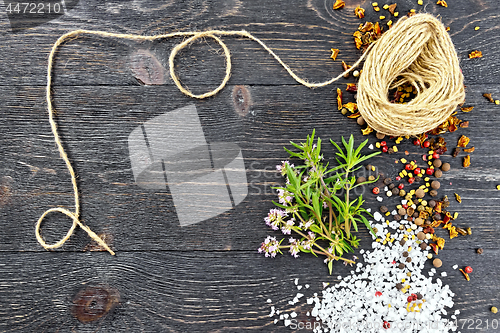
392	8
366	34
475	54
459	199
335	53
489	98
442	3
467	109
338	4
339	98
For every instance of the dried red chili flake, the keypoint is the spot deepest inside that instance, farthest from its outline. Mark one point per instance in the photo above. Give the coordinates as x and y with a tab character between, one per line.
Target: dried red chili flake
386	325
338	4
416	142
351	87
434	248
417	171
475	54
429	171
426	144
398	178
411	180
359	12
378	294
401	186
385	149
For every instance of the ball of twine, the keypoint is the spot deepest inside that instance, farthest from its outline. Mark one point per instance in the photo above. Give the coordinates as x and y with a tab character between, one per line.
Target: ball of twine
416	51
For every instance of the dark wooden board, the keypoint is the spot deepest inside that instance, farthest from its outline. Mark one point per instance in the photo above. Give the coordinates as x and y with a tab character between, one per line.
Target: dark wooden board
208	276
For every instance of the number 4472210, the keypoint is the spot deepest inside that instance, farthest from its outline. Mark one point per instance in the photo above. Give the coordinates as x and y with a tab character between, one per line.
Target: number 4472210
33	8
478	324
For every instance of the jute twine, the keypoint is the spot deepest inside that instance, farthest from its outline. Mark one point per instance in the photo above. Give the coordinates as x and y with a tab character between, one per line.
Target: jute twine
417	50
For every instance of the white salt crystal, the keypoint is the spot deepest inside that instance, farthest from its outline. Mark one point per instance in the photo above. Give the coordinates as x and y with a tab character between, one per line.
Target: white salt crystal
293	314
379	199
286	315
296	281
287	322
370	146
444	274
307	286
455	266
377	216
299	287
268	300
310	301
299	295
275	321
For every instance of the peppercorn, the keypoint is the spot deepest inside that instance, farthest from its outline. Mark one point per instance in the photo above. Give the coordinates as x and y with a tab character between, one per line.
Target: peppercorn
402	211
371	178
468	269
397	217
368	167
432	203
433	193
405	254
419	221
390	150
402	242
391	186
437	262
387	181
383	209
420	193
408	259
401	266
435	184
423	246
438	173
419	296
445	167
376	190
402	193
436	217
399	286
494	309
437	163
380	136
360	180
395	191
416	214
418	179
421	235
479	251
360	121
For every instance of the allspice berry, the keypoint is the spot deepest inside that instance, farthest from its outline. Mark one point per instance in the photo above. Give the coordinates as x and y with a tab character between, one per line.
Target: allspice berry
387	181
435	184
445	167
421	235
383	209
401	266
408	259
432	203
438	173
420	193
433	193
437	163
437	262
419	221
380	136
360	121
360	180
402	211
479	251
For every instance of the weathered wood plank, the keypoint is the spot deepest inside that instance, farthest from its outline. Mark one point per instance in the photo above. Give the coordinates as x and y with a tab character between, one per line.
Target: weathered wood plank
95	124
302	33
194	291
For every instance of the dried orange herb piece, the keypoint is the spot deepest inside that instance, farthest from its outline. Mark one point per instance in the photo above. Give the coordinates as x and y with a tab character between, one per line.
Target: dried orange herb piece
467	109
465	274
442	3
338	4
335	53
360	12
345	67
351	106
367	130
339	98
463	141
465	124
489	98
392	8
354	115
469	150
466	161
475	54
453	232
459	199
351	87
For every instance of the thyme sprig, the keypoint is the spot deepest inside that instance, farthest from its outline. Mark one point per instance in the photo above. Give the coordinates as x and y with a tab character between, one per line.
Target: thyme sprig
317	202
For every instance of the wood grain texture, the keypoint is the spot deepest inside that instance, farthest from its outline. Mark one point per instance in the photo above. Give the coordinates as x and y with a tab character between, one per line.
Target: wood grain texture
208	276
